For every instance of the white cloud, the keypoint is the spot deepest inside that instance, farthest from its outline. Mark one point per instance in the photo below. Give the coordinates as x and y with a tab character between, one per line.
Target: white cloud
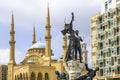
28	12
4	56
94	3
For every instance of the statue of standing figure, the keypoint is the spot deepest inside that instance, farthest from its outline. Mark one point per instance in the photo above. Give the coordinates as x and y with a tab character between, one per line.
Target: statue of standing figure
74	42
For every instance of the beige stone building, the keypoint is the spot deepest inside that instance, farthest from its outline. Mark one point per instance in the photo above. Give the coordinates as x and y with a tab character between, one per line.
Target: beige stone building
38	64
105	36
3	72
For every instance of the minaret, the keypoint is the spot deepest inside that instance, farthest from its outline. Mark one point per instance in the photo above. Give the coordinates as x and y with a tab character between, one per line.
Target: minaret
64	44
12	42
48	51
34	36
12	62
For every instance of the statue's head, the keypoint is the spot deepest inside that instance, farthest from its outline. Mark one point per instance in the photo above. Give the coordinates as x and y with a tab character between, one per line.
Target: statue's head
77	32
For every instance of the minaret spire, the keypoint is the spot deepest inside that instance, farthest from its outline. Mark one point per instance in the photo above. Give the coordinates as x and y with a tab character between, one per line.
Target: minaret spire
64	43
34	36
12	51
48	52
48	17
12	42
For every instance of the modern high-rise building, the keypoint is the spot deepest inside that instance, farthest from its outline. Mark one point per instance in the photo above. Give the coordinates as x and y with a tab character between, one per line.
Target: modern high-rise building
105	35
3	72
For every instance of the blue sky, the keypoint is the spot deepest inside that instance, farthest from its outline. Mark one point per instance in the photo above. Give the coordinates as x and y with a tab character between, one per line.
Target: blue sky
30	12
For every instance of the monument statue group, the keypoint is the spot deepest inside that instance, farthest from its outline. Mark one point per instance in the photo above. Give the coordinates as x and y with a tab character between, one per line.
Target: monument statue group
73	63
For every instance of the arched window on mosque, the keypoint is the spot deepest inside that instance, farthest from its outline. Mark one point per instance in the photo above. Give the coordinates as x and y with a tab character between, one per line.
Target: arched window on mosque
26	76
23	76
15	77
46	76
32	77
39	77
20	76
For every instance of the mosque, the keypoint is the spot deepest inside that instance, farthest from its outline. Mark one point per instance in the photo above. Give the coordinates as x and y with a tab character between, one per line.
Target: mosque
38	63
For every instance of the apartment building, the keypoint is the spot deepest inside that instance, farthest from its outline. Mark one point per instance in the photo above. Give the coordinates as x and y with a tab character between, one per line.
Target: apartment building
105	37
3	72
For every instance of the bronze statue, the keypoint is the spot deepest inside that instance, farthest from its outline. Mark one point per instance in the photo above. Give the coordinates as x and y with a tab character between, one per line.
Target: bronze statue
78	39
74	48
74	42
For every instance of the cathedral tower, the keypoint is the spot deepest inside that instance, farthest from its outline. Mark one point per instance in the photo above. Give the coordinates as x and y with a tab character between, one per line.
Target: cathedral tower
34	36
12	51
48	52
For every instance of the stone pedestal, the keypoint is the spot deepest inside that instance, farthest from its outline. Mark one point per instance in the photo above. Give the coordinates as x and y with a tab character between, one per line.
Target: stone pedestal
74	68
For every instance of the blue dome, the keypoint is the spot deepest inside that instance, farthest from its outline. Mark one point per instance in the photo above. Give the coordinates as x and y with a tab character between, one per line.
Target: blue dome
38	45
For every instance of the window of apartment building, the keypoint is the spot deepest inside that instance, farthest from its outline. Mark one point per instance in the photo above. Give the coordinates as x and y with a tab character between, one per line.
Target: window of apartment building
118	10
111	23
118	50
100	20
117	0
101	64
111	15
103	28
112	61
109	69
118	22
101	45
104	63
101	72
110	1
117	30
103	55
117	40
118	61
109	53
109	61
103	18
106	5
102	37
112	43
118	69
106	34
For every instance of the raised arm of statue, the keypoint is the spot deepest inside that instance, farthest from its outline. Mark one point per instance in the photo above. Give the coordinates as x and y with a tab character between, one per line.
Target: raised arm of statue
72	19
